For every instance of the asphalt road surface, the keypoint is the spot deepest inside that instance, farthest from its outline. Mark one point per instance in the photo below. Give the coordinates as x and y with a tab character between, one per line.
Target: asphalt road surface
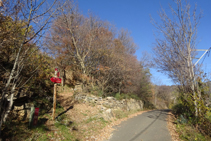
149	126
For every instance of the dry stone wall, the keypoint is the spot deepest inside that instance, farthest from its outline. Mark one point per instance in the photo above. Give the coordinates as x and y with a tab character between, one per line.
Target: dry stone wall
109	104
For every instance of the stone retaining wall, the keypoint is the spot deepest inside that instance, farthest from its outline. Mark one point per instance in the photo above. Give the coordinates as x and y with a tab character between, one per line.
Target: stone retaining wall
109	104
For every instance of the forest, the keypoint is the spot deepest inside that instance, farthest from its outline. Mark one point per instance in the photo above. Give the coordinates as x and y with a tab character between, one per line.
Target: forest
38	36
36	39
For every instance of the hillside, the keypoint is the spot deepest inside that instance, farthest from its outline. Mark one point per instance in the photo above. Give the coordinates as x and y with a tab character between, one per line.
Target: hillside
75	120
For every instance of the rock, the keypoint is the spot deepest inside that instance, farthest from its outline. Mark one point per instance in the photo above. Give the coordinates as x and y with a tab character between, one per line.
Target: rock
100	99
111	102
78	88
23	112
132	104
102	108
18	108
141	104
80	96
110	98
90	99
108	104
108	114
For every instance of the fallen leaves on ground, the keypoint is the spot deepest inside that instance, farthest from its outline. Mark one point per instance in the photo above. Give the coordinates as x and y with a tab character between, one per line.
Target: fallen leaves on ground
172	128
106	132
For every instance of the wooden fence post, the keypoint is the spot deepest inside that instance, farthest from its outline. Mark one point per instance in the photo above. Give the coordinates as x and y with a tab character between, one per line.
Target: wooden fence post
54	101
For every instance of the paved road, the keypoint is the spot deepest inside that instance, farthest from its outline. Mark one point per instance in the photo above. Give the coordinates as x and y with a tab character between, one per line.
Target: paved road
149	126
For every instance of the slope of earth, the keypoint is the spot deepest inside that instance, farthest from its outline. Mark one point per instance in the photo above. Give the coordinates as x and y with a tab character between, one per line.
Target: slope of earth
74	121
87	125
83	116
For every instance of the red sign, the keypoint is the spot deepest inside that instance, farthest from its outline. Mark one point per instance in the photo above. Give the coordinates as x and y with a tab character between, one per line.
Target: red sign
36	113
56	80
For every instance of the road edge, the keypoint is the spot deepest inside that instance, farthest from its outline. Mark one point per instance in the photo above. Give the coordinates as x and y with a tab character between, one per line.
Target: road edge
172	127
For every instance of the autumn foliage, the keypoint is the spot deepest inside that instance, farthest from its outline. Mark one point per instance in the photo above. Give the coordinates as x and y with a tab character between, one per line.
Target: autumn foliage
95	53
90	46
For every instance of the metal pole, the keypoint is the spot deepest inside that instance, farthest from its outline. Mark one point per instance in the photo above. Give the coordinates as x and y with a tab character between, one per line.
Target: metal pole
194	79
201	57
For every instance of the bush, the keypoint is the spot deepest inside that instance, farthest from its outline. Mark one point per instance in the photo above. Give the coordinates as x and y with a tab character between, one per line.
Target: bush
208	115
189	133
205	126
179	109
148	105
119	96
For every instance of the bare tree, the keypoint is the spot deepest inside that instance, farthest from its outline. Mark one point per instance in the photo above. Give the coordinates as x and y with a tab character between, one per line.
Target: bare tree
74	35
174	50
34	17
79	39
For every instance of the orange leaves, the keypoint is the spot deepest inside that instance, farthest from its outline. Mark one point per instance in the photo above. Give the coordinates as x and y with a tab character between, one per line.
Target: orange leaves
103	68
89	46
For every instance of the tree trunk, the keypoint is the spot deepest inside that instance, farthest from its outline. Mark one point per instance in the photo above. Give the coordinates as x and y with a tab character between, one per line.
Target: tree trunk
63	79
92	83
120	84
192	80
10	103
155	99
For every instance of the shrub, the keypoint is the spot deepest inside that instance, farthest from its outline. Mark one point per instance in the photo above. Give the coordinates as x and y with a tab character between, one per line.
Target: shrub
121	96
178	109
118	96
208	115
148	105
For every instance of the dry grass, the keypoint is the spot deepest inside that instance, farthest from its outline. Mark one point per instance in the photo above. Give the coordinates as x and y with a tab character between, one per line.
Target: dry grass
90	127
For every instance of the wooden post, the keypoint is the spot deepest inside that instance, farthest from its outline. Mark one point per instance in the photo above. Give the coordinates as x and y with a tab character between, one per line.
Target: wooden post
54	101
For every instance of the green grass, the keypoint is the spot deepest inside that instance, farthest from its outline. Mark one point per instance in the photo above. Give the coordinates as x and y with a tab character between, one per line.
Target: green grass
104	122
96	91
119	114
190	128
126	96
65	131
208	115
91	119
84	114
43	137
189	133
62	125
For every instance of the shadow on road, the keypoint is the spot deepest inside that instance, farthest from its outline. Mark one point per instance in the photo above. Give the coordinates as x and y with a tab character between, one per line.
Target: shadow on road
158	115
162	116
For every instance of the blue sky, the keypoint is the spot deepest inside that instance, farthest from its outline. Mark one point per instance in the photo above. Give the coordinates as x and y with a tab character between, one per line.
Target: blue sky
134	15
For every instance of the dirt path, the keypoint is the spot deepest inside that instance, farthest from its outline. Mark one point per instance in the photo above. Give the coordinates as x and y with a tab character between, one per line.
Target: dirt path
65	99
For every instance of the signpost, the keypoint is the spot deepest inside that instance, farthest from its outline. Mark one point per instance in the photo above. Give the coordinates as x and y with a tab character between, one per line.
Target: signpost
55	80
